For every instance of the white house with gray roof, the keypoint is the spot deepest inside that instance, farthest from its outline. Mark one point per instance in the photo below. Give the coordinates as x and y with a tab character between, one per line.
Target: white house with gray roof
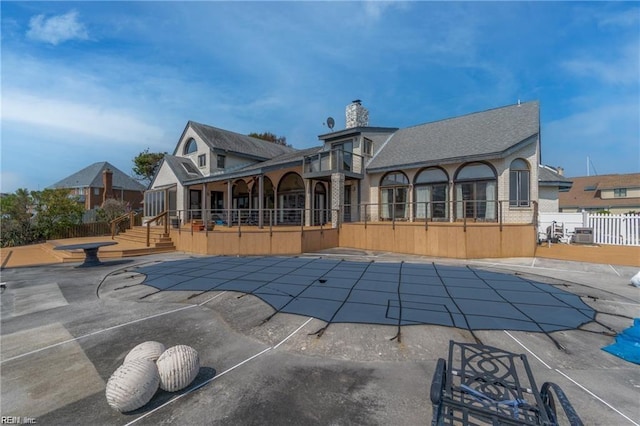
481	167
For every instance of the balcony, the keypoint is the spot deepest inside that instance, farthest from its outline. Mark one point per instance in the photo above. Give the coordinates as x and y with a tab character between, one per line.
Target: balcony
323	164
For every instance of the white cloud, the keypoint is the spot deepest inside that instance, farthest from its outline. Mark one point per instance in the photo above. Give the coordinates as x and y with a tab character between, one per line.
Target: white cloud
57	29
607	132
373	10
10	181
623	68
626	18
118	126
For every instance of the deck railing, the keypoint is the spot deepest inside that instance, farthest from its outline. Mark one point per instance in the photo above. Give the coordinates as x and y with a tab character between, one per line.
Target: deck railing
467	211
464	211
208	220
161	219
120	223
335	160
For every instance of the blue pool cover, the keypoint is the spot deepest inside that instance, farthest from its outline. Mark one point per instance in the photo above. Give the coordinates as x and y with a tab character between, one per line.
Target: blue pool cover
627	344
402	293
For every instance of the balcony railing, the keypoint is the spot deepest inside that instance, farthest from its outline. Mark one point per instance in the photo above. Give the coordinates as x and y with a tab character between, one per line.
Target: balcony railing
464	212
334	161
201	220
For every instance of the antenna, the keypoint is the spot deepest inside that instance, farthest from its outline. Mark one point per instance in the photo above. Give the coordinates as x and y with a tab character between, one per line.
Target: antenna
331	122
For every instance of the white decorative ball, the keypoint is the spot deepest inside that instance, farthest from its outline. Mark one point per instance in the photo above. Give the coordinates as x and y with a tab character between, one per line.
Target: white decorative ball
178	366
132	385
148	350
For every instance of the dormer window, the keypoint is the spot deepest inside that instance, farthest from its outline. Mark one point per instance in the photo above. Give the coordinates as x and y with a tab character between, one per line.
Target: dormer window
190	168
202	160
620	192
190	147
221	161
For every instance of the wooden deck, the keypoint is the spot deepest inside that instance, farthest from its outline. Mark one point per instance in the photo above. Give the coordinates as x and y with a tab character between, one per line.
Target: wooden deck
605	254
251	236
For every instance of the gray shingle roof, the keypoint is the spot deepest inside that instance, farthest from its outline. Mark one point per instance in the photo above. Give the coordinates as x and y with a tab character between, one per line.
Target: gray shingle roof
291	158
91	176
485	133
177	165
241	145
547	176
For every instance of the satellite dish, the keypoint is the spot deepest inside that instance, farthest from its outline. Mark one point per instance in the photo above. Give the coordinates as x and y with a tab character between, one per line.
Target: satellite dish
331	122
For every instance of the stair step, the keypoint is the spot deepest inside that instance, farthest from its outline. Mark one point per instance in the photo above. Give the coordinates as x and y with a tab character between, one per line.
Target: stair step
142	239
133	243
78	256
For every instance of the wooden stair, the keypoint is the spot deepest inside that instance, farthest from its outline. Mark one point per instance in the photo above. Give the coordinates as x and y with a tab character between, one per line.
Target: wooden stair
158	240
132	242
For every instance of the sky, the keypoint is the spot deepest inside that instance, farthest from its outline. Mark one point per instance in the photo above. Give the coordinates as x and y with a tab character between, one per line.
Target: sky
85	82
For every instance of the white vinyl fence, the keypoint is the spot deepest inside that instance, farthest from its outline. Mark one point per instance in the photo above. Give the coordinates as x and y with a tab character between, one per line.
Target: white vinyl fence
617	229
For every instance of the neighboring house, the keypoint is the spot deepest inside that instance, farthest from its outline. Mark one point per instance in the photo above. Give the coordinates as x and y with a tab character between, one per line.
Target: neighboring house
617	193
551	181
482	167
100	181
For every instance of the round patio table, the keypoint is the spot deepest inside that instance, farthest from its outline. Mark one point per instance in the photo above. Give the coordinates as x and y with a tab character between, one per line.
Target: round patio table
90	251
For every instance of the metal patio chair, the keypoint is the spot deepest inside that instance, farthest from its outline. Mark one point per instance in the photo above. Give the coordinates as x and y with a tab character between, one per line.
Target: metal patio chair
483	385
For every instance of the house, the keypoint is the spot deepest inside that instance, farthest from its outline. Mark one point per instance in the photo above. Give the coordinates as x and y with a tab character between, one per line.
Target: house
551	182
482	167
100	181
615	193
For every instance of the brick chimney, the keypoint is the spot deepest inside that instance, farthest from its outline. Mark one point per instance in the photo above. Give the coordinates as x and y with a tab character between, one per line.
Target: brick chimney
107	183
357	115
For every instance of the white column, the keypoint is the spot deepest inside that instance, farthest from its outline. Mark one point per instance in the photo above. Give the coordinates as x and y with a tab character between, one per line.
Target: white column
308	198
261	201
229	201
337	198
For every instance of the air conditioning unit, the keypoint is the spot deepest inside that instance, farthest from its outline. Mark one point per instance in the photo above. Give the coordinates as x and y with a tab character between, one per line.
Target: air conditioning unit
583	236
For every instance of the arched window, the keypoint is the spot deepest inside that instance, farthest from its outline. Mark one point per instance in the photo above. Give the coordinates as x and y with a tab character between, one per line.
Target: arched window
431	194
394	191
240	195
190	147
267	187
519	181
320	212
476	192
291	199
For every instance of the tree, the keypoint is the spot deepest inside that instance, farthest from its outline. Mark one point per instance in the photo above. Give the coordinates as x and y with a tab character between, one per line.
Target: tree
111	209
146	164
56	210
270	137
15	219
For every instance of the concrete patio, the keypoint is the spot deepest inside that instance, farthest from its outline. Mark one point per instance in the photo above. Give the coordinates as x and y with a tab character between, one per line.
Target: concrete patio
65	330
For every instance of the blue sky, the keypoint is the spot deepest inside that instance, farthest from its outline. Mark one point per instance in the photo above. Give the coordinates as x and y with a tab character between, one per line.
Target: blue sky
84	82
